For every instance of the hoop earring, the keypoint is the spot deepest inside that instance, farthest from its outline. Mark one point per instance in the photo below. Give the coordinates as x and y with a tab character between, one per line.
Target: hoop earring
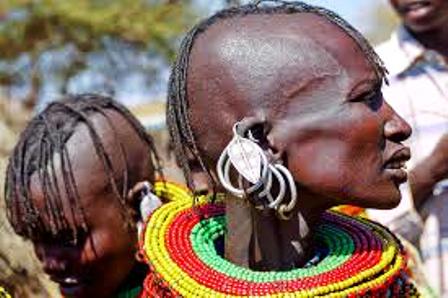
251	164
284	209
281	194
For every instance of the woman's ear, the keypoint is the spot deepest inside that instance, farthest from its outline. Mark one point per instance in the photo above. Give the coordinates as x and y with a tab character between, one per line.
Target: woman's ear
276	151
261	133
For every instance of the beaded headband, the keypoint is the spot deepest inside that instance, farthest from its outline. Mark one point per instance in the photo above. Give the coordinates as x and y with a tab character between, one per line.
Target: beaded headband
358	257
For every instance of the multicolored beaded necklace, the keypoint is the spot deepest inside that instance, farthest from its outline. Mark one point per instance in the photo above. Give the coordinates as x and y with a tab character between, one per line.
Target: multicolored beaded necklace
3	293
361	258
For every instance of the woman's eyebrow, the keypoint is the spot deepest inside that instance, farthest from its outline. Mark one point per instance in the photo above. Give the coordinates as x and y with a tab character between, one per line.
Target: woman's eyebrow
305	84
364	86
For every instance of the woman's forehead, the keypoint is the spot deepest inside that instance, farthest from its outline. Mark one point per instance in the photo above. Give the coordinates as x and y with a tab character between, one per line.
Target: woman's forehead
271	56
261	57
298	26
88	186
83	159
259	48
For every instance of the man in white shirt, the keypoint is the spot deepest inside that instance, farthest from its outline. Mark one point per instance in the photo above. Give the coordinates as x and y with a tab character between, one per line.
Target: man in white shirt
416	57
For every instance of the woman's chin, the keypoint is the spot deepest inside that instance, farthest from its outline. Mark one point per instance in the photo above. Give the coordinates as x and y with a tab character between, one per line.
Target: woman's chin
384	200
390	204
387	202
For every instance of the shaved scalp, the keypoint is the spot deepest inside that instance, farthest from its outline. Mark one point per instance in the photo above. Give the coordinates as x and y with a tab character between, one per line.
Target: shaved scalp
249	58
41	150
252	61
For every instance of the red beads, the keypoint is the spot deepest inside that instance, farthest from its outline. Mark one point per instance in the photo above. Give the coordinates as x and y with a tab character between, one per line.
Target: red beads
363	259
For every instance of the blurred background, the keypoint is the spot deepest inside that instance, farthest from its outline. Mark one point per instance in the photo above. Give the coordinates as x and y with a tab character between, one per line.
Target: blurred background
121	48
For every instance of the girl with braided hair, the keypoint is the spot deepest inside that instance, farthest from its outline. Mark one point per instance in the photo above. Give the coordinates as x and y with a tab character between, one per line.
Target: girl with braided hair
275	108
75	185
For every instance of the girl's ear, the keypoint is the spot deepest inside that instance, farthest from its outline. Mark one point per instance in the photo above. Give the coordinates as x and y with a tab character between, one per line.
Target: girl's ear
143	200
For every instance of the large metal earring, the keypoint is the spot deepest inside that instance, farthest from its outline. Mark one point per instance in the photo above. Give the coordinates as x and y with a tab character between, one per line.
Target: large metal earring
284	210
252	165
249	161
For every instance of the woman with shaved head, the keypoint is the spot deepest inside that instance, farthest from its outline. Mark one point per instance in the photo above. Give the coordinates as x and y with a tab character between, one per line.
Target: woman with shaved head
275	108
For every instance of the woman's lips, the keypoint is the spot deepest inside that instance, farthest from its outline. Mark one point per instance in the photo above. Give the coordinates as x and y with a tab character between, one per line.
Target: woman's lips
72	291
396	169
395	166
71	286
397	175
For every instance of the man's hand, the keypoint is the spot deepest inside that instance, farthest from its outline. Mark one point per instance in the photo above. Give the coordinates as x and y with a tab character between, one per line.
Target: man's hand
428	172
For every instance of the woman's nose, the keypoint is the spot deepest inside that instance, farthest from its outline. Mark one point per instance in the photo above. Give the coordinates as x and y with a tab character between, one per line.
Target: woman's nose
396	128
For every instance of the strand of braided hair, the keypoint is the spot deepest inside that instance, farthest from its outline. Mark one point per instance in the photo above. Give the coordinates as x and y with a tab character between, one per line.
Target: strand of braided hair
182	137
43	139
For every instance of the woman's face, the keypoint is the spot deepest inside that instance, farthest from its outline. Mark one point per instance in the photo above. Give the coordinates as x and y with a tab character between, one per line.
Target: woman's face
340	138
312	84
103	256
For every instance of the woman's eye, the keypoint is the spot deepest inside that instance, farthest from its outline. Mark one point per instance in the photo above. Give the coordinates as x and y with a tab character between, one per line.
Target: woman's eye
373	100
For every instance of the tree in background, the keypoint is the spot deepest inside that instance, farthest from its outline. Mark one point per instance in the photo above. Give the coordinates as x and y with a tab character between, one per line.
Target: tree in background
56	41
53	43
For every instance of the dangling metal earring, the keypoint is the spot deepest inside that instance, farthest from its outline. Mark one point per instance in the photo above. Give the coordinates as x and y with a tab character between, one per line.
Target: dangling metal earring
273	203
283	209
251	163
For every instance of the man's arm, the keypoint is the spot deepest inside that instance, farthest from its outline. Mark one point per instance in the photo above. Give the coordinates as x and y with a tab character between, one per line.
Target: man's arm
428	172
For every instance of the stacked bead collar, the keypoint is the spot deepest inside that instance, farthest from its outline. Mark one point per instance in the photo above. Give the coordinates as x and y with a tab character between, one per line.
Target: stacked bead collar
362	259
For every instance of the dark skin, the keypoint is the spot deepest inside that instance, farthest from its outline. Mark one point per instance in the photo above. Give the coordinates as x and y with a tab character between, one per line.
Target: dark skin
427	21
318	101
104	255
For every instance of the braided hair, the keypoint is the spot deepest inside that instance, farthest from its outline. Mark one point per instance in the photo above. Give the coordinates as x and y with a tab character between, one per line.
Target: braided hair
43	138
182	136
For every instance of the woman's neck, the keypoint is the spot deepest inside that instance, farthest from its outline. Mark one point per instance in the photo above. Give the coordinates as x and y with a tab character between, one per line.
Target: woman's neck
261	241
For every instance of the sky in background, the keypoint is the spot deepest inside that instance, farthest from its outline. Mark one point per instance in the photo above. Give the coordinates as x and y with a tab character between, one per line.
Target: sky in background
354	11
351	10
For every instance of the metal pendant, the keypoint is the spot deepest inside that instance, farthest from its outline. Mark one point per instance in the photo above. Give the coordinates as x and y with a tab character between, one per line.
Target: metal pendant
245	157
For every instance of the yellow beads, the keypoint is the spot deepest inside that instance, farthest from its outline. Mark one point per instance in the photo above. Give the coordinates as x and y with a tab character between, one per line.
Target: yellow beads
179	268
3	293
